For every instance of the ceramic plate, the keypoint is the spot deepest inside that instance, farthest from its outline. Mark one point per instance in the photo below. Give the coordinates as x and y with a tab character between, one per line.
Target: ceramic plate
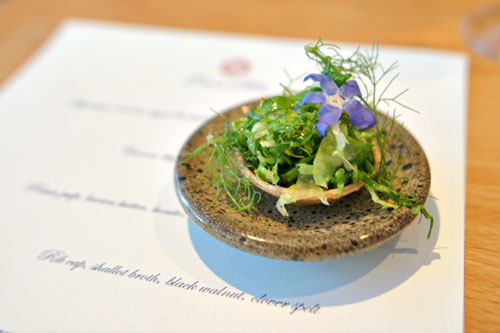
349	225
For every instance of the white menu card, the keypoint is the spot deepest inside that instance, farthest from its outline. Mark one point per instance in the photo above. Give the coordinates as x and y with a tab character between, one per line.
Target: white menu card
93	237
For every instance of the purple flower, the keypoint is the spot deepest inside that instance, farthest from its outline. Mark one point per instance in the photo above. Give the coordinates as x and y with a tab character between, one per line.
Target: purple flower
334	100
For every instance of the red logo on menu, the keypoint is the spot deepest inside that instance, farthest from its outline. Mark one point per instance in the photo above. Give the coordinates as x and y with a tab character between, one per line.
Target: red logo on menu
235	66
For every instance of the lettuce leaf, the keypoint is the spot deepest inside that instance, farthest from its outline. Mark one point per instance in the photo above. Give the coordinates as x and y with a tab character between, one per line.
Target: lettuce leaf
325	164
304	188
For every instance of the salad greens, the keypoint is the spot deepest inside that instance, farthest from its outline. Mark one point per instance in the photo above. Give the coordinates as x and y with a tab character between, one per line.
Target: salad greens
319	138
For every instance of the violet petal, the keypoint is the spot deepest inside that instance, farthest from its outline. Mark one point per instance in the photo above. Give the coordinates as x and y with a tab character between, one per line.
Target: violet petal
327	84
313	97
350	89
360	116
327	116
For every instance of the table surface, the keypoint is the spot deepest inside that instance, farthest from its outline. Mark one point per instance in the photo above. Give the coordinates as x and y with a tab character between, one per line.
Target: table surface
25	25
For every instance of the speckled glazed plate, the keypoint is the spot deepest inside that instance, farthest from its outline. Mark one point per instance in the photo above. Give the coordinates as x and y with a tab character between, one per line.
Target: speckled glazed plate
349	225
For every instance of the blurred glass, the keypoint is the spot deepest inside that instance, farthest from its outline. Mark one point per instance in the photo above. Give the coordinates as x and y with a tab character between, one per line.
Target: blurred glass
481	30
